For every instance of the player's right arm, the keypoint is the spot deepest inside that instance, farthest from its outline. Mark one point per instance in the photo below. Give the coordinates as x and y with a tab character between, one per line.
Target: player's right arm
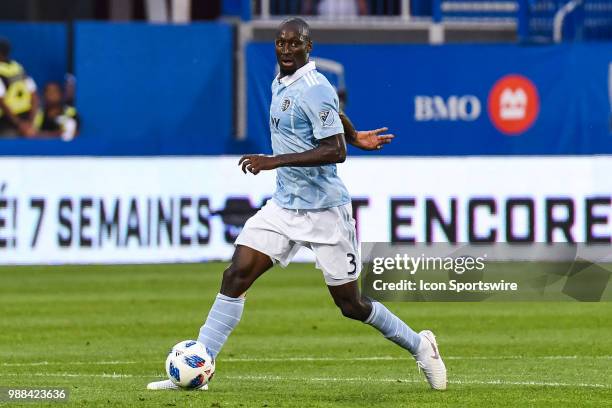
319	107
329	151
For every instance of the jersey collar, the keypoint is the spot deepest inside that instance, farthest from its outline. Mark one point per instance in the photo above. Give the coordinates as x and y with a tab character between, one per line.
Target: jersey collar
289	79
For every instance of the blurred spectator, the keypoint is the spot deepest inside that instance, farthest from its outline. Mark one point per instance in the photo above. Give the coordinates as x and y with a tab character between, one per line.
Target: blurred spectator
182	11
206	9
336	8
59	119
162	11
389	7
18	97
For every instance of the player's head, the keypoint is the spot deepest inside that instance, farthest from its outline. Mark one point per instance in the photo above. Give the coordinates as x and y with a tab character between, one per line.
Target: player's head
5	48
293	45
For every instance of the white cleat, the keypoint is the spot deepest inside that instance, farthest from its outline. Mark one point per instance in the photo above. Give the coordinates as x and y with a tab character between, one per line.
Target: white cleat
430	362
169	385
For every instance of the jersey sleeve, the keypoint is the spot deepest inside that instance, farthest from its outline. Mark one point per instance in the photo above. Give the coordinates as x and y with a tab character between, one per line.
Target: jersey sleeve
320	104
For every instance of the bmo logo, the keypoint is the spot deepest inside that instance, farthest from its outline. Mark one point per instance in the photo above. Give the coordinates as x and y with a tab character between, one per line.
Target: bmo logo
453	108
513	104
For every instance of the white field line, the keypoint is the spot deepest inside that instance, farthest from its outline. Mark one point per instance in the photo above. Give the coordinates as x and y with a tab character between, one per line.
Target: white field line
46	363
409	380
306	359
328	379
389	358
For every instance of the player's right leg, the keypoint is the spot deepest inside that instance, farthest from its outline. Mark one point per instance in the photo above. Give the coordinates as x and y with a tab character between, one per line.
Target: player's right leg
260	242
247	265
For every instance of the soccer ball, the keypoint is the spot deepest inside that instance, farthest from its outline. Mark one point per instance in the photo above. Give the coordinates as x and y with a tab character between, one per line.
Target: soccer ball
190	364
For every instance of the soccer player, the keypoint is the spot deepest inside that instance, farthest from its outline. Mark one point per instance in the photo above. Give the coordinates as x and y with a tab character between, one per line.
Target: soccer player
311	207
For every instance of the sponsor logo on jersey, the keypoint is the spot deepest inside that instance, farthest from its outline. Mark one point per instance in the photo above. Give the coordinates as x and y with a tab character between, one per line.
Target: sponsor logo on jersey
285	105
327	117
275	121
513	104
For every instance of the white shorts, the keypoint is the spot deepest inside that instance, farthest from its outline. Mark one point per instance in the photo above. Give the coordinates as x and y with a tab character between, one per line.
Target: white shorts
330	233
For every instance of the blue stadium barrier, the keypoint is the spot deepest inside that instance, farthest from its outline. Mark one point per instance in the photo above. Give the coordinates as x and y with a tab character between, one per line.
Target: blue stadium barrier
156	89
40	47
450	100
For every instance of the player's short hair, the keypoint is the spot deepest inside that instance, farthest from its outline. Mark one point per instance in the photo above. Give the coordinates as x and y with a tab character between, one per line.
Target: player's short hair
5	47
299	24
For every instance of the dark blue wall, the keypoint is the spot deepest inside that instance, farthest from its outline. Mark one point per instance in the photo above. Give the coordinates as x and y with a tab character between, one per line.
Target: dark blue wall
156	89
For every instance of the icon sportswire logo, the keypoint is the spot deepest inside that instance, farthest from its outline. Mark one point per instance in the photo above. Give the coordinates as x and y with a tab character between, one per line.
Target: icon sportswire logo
513	104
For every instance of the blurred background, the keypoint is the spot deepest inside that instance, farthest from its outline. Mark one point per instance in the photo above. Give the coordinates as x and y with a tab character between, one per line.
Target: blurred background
122	121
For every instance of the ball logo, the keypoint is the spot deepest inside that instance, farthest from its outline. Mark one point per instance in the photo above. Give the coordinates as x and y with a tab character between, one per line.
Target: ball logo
513	104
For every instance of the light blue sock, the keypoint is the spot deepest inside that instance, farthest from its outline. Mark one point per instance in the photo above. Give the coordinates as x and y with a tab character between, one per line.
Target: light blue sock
393	328
222	319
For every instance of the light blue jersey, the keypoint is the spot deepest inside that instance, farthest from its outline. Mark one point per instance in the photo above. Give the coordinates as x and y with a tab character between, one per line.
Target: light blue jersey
304	109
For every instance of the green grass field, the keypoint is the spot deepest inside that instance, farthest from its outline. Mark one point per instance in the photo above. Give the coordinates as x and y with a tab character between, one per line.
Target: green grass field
104	331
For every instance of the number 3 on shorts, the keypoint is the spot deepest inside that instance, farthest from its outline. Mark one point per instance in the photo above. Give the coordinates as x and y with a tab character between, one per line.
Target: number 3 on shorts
352	262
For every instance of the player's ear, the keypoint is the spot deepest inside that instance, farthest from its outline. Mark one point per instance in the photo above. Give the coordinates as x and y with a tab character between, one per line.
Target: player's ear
309	46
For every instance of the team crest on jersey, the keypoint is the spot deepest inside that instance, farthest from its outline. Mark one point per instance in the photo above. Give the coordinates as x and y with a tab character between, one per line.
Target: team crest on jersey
286	104
327	117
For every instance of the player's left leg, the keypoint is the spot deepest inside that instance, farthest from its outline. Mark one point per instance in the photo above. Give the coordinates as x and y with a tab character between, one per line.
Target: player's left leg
340	261
421	345
357	307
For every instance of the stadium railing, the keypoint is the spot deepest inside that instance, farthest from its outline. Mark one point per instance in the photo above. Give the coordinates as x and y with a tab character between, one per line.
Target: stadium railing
533	20
567	20
375	8
536	20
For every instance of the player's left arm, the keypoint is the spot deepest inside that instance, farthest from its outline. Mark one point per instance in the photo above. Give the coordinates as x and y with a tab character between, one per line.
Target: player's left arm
365	139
